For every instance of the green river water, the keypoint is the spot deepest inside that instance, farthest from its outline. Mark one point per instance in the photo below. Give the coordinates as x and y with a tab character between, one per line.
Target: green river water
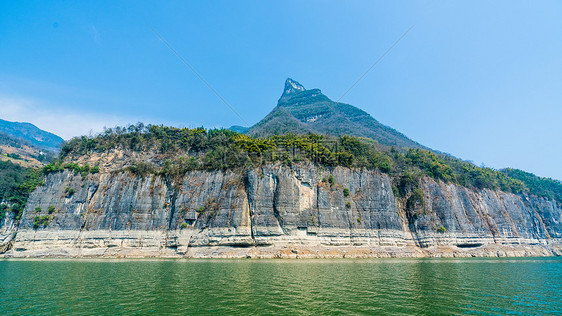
519	286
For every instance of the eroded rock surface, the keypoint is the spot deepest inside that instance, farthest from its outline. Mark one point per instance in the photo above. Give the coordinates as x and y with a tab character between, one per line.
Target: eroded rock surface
274	211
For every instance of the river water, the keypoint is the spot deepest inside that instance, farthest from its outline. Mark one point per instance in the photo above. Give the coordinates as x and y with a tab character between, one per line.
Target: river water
519	286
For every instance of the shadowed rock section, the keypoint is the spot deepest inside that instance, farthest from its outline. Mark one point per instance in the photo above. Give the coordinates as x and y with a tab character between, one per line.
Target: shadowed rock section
274	211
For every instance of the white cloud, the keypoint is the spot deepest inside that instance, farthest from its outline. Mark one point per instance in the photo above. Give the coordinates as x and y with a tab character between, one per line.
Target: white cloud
64	122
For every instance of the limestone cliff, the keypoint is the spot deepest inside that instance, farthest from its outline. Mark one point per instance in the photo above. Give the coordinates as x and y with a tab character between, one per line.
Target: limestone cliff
274	211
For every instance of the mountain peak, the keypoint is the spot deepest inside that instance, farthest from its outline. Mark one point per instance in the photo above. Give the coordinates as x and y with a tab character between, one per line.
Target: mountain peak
309	111
292	86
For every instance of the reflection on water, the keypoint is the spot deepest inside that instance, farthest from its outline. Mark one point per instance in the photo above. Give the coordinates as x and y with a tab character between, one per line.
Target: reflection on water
374	286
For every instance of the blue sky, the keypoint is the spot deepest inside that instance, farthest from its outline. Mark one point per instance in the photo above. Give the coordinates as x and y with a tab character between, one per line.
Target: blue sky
480	80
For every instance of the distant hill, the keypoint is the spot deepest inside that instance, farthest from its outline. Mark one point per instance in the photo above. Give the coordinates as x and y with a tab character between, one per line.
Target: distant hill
21	152
32	134
309	111
239	129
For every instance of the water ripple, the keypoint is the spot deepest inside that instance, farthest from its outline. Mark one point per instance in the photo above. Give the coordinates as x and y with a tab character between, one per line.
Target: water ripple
307	287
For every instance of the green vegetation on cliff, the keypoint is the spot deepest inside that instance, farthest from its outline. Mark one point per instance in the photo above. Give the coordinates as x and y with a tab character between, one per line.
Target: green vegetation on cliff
57	165
544	187
185	149
11	175
16	183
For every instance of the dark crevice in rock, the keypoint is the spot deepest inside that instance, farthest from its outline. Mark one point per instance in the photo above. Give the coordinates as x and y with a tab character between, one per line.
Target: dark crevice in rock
411	218
469	245
172	196
276	193
248	189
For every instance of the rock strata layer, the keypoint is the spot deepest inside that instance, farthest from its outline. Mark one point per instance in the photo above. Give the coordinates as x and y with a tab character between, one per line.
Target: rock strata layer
274	211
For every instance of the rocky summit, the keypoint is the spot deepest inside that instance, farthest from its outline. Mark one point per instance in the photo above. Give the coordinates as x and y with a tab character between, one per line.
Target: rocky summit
292	86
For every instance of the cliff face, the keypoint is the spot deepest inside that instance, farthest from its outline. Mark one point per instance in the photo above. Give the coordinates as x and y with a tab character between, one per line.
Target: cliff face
274	211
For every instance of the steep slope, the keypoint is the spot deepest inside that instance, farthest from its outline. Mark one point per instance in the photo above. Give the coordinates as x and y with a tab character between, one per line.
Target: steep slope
301	111
32	134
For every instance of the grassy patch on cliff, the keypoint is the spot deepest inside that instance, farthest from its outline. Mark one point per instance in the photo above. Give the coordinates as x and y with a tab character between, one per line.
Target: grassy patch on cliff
185	149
